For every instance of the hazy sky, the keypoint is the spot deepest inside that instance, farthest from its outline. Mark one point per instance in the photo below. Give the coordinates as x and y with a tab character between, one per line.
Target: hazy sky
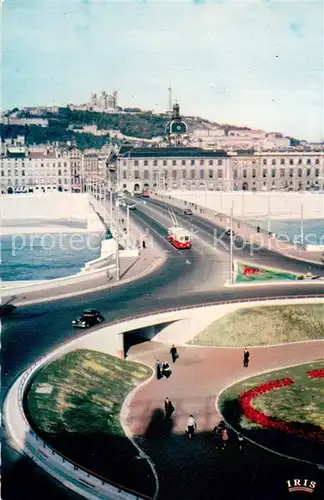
256	63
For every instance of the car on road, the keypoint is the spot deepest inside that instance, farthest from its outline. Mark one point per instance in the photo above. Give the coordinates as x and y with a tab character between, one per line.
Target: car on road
6	309
229	231
88	318
187	211
132	207
122	203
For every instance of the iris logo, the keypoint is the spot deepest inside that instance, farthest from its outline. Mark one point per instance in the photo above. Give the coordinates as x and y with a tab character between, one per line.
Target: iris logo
305	485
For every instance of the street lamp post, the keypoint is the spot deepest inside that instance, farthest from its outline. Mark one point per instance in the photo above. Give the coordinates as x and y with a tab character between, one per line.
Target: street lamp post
117	242
231	246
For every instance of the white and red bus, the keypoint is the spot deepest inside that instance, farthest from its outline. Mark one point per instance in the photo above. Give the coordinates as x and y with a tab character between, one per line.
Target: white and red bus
179	237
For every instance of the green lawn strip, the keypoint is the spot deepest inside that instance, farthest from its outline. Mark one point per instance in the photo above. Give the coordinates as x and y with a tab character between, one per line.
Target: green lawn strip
300	403
264	325
244	274
80	416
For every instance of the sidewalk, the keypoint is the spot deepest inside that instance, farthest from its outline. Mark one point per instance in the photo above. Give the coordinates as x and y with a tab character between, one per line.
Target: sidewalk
247	232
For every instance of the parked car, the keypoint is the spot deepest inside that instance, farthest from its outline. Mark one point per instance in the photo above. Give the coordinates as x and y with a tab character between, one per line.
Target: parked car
187	211
88	318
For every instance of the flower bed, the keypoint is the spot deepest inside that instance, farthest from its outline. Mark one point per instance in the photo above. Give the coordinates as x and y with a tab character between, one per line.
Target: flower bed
264	420
318	373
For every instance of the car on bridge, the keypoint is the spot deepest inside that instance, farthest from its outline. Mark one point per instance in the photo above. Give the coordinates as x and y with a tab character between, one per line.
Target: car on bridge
187	211
88	318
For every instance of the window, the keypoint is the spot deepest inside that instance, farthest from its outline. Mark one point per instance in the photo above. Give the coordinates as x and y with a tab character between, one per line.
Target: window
183	162
155	163
244	173
42	164
65	181
300	161
282	161
174	162
291	172
309	161
273	162
210	162
273	172
308	172
136	174
202	174
65	164
265	172
220	173
210	173
316	172
282	172
145	163
193	174
146	174
201	162
291	162
136	163
192	162
317	161
2	173
174	174
235	173
16	173
300	172
23	173
165	173
220	162
124	174
253	173
264	162
124	163
184	174
165	162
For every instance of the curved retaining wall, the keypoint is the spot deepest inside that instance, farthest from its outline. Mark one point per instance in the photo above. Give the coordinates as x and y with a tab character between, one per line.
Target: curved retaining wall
67	472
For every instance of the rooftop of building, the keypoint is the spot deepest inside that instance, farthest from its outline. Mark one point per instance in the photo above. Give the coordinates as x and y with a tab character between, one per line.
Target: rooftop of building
169	152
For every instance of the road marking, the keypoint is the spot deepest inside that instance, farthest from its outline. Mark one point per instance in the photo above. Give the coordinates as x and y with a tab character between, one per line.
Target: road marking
188	261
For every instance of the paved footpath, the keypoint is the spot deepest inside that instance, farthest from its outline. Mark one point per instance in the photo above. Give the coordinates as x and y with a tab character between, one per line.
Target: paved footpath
191	470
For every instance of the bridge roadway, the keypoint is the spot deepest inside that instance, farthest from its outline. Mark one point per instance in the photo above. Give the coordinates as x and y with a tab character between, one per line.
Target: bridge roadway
34	330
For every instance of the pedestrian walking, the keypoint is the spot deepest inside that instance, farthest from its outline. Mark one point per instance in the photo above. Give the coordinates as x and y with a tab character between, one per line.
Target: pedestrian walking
169	409
246	358
174	353
224	438
158	369
144	244
191	427
217	434
240	442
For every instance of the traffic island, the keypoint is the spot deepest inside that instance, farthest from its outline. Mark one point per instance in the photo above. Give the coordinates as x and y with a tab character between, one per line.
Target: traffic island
74	405
282	411
268	325
246	273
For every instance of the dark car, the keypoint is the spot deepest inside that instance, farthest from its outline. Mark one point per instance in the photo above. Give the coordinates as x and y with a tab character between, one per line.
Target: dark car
132	207
88	318
187	211
229	231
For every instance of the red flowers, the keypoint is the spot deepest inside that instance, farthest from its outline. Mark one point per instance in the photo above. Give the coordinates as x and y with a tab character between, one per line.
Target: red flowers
263	420
318	373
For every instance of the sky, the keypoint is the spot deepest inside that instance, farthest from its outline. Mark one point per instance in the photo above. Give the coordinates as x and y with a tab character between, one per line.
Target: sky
248	63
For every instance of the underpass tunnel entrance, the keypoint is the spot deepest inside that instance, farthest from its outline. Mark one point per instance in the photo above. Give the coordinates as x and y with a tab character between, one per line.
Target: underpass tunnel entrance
144	334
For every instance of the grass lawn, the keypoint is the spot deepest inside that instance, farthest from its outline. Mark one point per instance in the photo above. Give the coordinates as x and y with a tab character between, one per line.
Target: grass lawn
265	325
74	404
300	404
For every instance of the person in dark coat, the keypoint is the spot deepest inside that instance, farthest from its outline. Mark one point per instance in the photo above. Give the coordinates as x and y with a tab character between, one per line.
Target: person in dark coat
166	372
246	357
158	369
217	434
174	353
169	409
144	244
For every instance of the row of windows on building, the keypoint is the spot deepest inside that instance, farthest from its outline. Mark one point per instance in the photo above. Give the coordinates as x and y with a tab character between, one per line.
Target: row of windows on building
22	173
33	181
265	161
211	174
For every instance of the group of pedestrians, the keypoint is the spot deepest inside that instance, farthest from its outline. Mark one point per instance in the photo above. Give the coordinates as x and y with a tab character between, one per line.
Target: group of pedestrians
163	370
221	437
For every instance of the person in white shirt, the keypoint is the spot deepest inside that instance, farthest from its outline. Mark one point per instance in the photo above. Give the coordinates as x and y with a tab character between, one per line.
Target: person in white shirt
191	427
